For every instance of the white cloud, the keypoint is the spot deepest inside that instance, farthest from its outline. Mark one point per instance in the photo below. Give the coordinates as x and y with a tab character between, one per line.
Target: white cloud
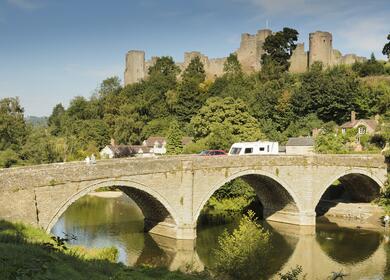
26	4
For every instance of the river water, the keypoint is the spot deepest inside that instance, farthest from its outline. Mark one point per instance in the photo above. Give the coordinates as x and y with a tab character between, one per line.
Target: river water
117	221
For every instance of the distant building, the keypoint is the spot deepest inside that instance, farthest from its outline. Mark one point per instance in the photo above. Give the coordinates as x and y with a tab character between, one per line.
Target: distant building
363	126
155	145
300	146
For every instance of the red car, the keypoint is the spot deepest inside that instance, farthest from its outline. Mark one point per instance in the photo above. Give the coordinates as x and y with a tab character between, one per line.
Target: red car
213	153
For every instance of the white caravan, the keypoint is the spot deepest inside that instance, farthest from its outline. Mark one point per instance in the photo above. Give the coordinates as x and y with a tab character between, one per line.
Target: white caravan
254	148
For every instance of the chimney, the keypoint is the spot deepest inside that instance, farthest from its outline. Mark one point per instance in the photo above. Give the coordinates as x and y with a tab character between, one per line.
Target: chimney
353	116
112	142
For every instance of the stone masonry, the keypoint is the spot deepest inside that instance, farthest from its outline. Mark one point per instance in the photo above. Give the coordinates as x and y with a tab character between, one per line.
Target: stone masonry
172	191
249	54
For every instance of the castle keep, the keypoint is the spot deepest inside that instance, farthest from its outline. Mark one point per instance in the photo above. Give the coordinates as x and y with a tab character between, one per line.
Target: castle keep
249	54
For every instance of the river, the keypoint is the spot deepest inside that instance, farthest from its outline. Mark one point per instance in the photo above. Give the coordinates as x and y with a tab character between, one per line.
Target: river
117	221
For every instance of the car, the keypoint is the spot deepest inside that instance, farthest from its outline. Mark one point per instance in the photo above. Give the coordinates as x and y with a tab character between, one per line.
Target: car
213	153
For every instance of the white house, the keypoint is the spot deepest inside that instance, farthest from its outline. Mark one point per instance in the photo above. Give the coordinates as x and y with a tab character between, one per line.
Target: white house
300	146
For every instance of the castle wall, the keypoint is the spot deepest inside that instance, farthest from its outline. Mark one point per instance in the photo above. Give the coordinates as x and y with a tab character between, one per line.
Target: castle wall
249	55
299	59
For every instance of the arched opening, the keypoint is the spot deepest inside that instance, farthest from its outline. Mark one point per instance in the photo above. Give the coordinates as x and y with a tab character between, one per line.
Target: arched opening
115	214
349	196
155	210
270	200
271	195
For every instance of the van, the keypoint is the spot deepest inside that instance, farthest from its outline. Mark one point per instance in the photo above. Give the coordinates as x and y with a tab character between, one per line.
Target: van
254	148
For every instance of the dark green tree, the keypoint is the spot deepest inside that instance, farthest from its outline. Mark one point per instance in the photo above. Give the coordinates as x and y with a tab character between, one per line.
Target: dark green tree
386	48
195	71
232	67
279	47
56	118
174	139
165	66
13	130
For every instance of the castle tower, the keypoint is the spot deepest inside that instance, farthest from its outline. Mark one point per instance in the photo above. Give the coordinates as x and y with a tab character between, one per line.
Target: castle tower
135	67
320	48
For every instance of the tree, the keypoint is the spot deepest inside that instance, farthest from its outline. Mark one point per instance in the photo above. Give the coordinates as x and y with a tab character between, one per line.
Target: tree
13	130
194	71
56	118
232	67
242	254
228	118
370	67
279	47
386	48
165	66
174	139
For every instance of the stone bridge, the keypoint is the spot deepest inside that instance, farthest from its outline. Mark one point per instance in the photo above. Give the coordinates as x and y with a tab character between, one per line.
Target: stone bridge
171	191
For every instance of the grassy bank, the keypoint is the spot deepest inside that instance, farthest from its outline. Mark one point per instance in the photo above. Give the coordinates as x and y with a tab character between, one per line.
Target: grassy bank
30	253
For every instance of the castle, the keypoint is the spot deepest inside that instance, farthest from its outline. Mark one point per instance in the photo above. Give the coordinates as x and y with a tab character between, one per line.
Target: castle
249	54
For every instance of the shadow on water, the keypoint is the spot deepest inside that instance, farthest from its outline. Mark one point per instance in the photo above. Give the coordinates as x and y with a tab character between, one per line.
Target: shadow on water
347	245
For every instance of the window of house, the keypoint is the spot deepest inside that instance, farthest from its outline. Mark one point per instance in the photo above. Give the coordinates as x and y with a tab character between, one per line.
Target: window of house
362	130
248	150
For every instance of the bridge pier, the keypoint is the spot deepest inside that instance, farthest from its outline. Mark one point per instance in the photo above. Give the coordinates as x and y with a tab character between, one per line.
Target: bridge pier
290	217
171	230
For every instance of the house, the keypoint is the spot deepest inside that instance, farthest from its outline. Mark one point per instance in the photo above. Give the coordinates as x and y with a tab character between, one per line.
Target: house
121	151
363	126
158	143
300	146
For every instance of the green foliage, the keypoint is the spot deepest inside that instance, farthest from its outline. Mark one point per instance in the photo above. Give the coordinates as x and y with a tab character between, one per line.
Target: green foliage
226	118
386	48
292	274
174	139
194	71
55	119
8	158
371	67
241	254
279	47
13	128
164	66
232	67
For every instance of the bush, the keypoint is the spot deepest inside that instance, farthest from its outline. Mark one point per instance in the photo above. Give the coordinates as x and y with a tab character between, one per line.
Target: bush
242	254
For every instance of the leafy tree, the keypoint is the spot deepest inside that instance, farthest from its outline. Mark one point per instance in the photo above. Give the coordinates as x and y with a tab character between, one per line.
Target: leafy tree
164	66
226	114
370	67
13	128
110	85
279	47
386	48
56	118
174	145
8	158
232	67
194	71
242	254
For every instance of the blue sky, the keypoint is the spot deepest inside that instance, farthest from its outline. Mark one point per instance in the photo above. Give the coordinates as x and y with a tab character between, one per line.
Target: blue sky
53	50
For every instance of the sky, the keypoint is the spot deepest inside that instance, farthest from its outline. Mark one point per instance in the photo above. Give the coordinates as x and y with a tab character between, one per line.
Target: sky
54	50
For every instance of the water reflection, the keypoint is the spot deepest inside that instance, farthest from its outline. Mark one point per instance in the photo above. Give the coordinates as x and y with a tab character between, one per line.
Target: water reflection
100	222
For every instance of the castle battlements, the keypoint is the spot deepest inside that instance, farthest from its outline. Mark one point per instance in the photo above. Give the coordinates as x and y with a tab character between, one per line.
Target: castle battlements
249	54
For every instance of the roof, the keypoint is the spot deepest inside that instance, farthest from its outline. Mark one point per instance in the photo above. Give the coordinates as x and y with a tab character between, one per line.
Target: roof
161	140
127	150
153	139
300	141
371	123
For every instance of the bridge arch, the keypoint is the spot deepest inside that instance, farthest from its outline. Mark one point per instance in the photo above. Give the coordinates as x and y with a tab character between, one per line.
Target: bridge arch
367	180
145	197
274	193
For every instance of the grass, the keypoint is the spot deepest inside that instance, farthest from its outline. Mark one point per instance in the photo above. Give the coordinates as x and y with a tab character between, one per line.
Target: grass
30	253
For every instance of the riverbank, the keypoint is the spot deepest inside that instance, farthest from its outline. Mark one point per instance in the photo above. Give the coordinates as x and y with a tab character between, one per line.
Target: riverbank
30	253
